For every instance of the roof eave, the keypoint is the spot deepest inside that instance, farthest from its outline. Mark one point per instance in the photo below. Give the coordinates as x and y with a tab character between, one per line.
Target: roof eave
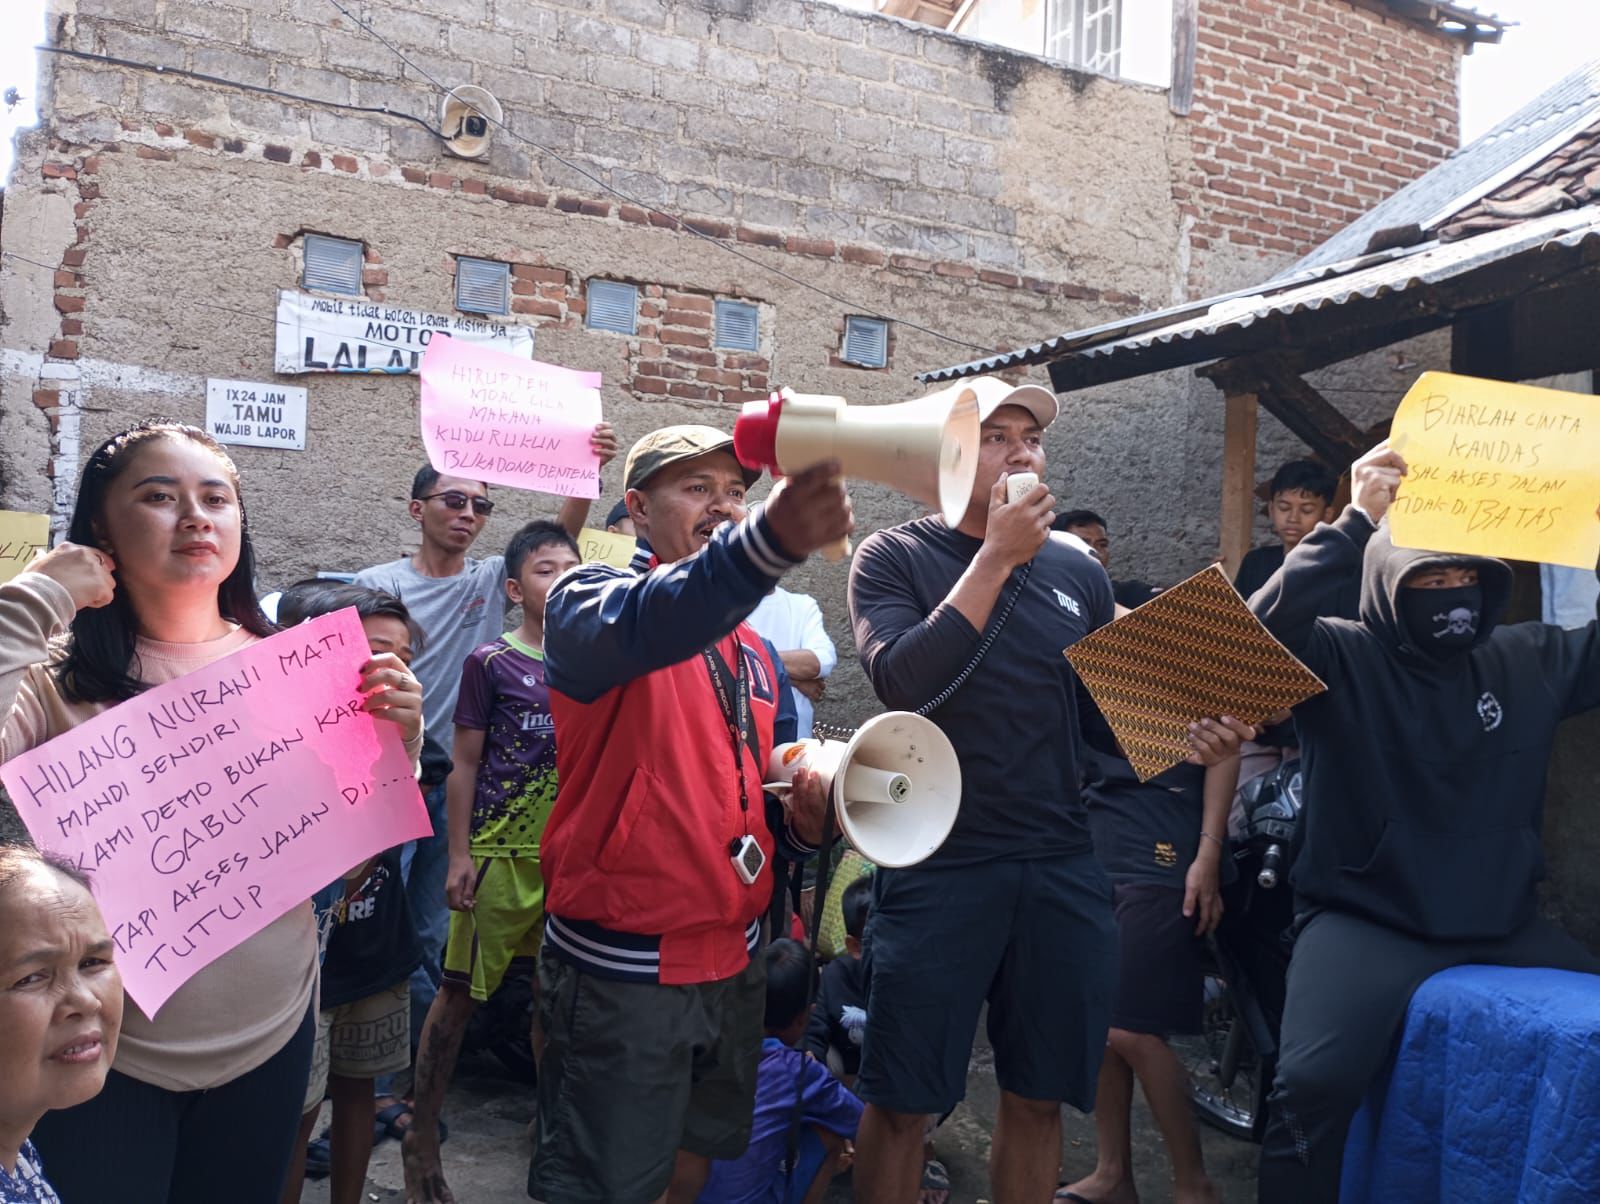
1454	20
1146	343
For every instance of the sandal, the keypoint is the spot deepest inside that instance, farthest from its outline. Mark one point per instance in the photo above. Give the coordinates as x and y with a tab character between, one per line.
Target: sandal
387	1124
935	1183
319	1157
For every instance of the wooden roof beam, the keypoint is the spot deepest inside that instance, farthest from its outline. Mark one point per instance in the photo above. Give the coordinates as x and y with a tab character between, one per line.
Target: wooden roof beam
1337	347
1313	419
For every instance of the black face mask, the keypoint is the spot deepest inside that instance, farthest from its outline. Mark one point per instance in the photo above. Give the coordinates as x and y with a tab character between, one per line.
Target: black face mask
1442	622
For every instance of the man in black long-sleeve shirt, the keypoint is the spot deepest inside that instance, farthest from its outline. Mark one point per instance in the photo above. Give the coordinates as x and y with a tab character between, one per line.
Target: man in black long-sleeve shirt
1425	767
1013	908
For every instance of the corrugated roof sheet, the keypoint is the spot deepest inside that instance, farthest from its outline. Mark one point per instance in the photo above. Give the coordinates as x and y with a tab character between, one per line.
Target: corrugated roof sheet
1213	328
1475	170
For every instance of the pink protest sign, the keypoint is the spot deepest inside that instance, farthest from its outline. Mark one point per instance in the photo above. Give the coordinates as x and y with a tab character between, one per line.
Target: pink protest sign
207	807
495	417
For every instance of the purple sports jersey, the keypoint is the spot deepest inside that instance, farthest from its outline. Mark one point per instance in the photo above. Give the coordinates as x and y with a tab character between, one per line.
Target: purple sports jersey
504	696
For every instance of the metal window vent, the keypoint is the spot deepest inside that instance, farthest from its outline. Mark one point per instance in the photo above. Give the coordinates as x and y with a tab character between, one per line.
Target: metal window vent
738	326
612	306
866	342
483	286
332	265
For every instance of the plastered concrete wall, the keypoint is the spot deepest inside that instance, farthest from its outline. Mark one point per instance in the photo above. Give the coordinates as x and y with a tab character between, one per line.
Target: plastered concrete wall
984	194
790	116
339	504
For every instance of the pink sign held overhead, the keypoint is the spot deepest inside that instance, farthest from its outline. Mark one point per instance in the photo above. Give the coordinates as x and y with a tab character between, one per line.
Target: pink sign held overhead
209	806
499	418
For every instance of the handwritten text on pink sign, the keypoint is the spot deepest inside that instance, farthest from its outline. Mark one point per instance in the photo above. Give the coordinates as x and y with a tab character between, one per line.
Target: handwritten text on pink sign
207	807
496	417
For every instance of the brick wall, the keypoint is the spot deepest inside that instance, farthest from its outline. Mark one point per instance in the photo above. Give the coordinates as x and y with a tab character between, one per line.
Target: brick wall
1307	113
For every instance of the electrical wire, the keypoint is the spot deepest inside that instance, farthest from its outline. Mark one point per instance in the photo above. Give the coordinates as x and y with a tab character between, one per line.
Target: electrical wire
677	222
233	83
37	264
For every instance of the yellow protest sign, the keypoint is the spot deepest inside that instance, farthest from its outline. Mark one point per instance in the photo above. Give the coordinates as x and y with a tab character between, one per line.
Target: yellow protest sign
605	546
1498	470
22	537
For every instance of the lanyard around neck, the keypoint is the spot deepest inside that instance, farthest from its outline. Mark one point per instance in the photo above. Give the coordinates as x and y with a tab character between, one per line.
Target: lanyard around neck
736	711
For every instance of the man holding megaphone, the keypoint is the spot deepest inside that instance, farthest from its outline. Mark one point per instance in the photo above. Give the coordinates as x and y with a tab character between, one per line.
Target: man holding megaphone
657	854
966	620
1013	909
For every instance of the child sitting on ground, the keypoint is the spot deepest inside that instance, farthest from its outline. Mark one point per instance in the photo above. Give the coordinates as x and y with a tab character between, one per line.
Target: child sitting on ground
829	1112
498	800
363	1029
840	1018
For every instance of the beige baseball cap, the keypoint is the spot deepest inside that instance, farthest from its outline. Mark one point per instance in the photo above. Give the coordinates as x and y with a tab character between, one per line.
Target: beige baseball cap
992	393
671	444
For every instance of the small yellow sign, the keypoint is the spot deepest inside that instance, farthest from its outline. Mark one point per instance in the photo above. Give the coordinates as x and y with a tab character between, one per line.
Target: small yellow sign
1498	470
605	546
22	537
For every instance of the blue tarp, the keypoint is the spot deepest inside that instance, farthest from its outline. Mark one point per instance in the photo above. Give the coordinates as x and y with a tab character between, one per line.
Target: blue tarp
1495	1095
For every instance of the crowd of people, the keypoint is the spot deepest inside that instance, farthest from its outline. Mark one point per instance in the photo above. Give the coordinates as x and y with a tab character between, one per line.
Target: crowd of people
593	768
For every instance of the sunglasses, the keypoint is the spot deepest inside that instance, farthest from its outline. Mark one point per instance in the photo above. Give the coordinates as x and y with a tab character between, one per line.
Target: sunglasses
455	500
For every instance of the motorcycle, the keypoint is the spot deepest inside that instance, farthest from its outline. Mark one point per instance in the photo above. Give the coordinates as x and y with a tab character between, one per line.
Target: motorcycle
1232	1061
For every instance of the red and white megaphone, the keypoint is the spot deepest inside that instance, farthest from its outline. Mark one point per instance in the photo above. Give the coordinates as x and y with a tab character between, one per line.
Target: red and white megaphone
927	448
896	785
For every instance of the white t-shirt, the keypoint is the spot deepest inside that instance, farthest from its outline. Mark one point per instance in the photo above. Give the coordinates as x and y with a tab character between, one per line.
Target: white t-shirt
793	622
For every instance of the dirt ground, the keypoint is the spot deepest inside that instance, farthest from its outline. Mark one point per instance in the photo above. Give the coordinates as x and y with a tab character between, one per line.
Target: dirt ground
486	1156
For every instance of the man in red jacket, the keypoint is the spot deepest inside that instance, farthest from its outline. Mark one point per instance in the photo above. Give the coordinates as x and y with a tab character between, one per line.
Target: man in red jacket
657	854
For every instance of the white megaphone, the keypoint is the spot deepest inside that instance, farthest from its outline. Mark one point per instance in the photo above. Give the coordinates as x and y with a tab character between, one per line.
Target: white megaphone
896	785
927	448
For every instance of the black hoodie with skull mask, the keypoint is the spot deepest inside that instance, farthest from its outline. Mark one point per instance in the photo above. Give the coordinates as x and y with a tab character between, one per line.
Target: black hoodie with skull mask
1424	764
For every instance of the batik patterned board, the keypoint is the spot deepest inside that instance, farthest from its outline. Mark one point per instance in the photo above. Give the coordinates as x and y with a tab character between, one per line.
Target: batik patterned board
1191	652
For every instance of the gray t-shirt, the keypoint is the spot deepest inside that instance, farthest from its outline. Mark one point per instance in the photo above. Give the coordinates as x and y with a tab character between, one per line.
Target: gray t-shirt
456	614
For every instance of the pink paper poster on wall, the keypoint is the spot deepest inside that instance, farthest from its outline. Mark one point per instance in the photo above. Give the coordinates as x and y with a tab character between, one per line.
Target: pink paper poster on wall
511	421
206	808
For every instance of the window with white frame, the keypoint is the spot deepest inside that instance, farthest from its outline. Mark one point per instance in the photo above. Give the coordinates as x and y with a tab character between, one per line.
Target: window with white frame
1127	39
1086	34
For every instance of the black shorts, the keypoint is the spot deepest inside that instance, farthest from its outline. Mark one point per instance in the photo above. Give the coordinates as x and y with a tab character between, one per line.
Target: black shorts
633	1072
1161	983
1035	939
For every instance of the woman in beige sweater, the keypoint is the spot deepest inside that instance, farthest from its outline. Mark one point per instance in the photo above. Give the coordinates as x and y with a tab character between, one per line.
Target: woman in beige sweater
155	581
